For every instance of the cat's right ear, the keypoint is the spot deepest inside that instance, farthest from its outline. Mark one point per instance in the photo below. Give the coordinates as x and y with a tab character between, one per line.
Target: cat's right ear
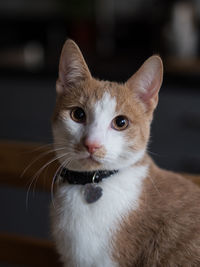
72	67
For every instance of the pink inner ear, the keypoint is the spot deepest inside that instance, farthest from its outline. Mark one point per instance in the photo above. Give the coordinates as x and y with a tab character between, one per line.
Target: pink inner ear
147	80
72	66
150	92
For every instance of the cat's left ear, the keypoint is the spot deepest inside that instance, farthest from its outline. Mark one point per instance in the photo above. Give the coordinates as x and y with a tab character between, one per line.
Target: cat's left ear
146	82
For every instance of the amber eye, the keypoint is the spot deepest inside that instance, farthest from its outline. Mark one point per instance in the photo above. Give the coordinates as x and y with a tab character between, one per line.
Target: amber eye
78	115
120	123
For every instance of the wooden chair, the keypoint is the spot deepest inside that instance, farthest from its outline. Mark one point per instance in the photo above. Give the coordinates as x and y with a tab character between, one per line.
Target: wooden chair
14	159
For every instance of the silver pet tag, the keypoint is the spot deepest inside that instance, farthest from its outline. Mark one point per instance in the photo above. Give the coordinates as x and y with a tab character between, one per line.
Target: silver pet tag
92	192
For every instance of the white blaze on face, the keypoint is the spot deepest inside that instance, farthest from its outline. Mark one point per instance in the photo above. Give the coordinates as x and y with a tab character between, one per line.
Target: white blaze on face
99	127
99	131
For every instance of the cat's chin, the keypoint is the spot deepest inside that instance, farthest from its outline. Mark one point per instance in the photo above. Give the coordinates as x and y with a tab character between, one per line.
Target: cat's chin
86	164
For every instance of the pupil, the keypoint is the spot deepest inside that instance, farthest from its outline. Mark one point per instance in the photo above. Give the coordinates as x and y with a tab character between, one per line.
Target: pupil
120	121
79	113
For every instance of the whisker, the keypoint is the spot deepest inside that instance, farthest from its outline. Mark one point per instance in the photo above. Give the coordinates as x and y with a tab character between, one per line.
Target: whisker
54	179
39	157
36	176
52	184
49	162
40	147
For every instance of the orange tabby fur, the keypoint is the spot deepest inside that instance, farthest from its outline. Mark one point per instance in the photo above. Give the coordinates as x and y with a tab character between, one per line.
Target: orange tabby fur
165	230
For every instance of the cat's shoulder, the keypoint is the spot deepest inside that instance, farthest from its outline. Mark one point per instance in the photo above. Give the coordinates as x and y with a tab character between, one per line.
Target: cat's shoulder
170	190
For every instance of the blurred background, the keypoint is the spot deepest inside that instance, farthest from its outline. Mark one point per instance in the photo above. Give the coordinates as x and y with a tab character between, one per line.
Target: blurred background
115	37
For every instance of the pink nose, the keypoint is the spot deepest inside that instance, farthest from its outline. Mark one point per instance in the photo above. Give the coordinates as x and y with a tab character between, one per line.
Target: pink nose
91	146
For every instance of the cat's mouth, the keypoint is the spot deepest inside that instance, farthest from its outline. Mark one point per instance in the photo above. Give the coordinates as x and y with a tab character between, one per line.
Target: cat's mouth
91	159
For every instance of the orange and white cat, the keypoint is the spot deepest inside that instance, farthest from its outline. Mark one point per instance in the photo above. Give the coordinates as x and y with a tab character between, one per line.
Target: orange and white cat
137	214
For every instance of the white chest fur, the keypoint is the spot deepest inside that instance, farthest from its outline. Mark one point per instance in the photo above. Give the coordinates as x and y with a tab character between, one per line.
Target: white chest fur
83	232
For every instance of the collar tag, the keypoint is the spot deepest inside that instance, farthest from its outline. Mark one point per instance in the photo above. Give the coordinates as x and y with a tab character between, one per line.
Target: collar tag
92	193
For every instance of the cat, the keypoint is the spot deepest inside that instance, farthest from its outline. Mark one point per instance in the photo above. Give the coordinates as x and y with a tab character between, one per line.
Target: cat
113	205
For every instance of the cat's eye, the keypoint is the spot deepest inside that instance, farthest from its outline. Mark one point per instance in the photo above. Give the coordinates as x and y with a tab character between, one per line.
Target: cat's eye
120	123
78	115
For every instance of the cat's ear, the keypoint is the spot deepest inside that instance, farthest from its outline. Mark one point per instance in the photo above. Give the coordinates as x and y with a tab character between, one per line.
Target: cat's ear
146	82
72	67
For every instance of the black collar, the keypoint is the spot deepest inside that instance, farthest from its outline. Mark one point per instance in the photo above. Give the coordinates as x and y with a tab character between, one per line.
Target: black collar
82	178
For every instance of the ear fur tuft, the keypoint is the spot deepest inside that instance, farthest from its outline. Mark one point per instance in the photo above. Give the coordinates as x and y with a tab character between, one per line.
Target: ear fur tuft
146	82
72	67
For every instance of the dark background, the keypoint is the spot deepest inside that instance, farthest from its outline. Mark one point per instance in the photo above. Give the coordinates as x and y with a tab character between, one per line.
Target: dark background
115	37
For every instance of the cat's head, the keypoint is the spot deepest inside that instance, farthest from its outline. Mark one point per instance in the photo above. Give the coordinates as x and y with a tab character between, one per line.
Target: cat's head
100	124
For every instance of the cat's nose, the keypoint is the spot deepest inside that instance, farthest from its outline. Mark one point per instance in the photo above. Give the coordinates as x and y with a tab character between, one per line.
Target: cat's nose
91	146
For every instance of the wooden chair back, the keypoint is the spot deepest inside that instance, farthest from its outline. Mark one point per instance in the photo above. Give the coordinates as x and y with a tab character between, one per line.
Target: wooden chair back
14	171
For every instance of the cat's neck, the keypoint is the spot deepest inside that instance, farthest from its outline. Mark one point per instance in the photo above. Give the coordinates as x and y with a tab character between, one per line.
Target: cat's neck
146	160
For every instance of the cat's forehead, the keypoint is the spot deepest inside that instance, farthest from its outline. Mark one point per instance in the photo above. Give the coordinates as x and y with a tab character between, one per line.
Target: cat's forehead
94	91
107	93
